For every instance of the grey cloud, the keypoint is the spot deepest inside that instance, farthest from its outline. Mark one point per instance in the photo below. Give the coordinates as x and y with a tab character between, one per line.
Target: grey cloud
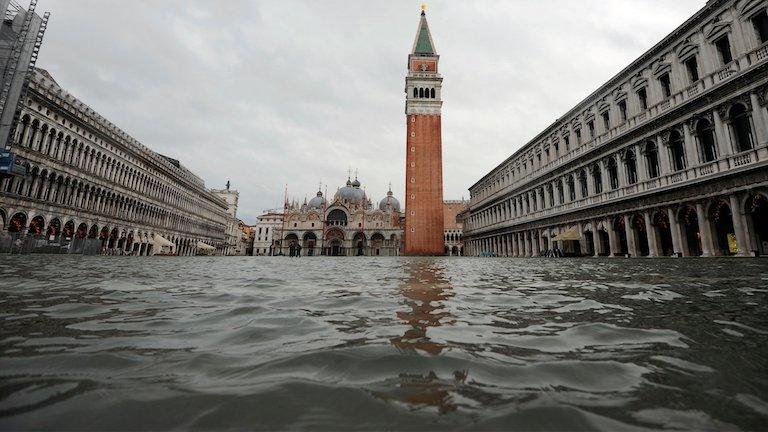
292	92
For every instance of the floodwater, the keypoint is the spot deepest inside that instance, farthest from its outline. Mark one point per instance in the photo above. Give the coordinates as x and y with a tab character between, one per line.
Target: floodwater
127	343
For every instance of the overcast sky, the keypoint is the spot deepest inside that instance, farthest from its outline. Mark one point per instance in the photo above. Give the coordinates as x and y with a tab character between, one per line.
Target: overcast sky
269	93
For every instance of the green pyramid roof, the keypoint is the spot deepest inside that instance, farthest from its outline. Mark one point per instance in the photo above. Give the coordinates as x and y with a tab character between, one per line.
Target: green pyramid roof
423	43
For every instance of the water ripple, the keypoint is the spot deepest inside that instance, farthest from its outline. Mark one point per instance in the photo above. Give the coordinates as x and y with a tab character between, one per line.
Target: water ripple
391	343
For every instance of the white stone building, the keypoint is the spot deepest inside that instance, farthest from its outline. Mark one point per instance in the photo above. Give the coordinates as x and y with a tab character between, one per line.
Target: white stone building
92	188
267	226
668	158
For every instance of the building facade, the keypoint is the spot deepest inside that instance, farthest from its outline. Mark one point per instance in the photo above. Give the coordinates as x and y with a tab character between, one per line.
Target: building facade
423	160
453	231
266	232
233	232
349	225
667	158
91	188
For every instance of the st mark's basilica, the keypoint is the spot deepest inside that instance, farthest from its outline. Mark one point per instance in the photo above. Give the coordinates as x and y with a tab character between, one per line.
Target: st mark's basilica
348	225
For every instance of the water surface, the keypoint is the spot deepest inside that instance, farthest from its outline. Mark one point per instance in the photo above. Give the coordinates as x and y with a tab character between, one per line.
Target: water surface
118	343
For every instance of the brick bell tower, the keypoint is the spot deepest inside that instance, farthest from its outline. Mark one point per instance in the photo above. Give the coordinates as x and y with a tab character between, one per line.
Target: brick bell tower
424	155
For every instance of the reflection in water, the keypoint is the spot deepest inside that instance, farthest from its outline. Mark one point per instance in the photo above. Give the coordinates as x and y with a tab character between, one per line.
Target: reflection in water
399	344
425	290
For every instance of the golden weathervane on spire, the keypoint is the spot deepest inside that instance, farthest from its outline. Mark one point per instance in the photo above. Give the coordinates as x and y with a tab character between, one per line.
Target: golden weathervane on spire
423	7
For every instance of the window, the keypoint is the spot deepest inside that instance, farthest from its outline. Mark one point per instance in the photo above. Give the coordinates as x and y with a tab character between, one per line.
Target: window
666	86
567	143
692	66
760	22
578	136
606	120
742	129
631	164
723	46
642	96
591	128
706	135
678	153
556	146
613	173
597	176
583	184
571	189
652	159
623	110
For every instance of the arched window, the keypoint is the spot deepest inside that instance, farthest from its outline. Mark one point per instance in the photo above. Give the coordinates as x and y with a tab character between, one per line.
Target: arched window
597	176
652	159
432	93
421	92
415	92
337	217
677	151
571	188
583	184
613	173
742	129
631	164
705	133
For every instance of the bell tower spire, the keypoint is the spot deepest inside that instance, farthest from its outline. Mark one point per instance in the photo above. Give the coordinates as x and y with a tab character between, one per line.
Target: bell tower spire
424	162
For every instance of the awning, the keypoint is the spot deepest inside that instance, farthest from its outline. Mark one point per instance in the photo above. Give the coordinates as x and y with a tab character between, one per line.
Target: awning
161	241
567	235
201	245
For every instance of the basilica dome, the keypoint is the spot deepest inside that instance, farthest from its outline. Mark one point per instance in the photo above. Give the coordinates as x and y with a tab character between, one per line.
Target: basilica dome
391	201
317	202
351	193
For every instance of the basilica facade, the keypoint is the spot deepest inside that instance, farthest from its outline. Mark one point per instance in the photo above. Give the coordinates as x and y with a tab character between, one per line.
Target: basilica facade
349	224
667	158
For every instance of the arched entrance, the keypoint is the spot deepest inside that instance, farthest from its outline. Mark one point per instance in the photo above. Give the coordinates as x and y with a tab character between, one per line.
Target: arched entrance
54	228
722	228
310	241
359	243
377	244
620	230
663	233
641	234
93	232
82	231
113	238
589	242
36	225
69	230
689	225
604	242
18	223
334	240
756	209
292	243
3	219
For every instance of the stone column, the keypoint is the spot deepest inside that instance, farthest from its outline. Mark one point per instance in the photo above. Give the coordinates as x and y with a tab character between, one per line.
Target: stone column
632	249
527	243
761	135
738	226
665	167
515	246
691	155
704	230
650	231
722	136
674	228
612	240
642	167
